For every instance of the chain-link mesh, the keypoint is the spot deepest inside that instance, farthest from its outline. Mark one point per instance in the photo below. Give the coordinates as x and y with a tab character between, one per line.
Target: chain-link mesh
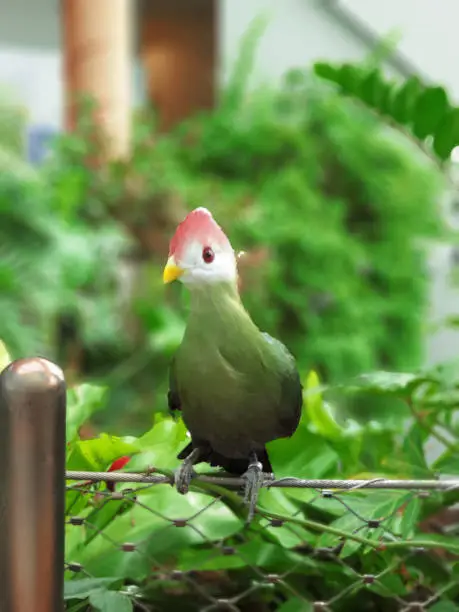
314	545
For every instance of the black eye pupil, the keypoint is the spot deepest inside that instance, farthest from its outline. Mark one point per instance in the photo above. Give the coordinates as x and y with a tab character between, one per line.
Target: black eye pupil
208	255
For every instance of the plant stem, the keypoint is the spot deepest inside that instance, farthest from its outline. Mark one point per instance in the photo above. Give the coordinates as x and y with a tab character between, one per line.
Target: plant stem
451	446
82	605
314	526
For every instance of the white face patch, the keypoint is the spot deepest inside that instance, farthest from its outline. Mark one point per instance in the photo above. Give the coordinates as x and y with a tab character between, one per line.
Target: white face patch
223	268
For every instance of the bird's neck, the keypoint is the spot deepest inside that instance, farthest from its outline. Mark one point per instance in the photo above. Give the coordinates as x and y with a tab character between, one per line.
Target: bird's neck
216	306
208	297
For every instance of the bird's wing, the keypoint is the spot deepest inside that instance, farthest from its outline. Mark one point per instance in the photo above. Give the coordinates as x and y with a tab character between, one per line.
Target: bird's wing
173	398
292	389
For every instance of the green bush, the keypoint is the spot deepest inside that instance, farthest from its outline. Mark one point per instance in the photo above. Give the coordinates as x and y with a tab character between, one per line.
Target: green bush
52	261
12	124
49	268
340	213
372	550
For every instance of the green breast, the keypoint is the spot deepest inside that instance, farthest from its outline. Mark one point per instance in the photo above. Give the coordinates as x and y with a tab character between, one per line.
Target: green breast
229	386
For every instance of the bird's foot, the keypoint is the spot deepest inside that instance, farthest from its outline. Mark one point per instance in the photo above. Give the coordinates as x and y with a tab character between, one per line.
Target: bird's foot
183	476
253	481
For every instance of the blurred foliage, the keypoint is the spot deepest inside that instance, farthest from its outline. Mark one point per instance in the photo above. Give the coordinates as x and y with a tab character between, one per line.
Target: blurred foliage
335	218
13	120
125	326
321	448
425	111
48	257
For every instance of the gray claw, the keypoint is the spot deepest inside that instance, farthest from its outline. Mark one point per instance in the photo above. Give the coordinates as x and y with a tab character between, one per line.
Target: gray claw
183	477
253	481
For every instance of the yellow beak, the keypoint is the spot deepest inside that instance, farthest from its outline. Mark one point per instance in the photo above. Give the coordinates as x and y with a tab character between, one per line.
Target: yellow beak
171	271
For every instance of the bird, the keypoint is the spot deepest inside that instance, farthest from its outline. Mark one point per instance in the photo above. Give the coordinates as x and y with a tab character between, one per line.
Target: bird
236	387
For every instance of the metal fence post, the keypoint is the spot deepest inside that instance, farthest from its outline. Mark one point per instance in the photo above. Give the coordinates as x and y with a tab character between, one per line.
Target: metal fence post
32	486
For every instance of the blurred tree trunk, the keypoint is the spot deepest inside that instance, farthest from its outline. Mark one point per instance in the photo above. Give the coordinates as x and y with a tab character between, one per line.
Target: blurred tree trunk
96	42
96	45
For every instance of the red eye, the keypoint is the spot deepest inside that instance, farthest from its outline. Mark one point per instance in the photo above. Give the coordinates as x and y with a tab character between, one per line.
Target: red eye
208	255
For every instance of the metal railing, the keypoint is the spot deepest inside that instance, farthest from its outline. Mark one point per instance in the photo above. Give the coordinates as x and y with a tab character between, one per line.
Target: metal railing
294	529
32	486
296	556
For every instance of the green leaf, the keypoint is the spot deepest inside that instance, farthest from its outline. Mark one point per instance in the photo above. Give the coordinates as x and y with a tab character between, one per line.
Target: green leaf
442	400
388	383
82	402
295	604
372	88
326	71
5	358
413	450
410	517
447	134
386	99
80	589
281	501
79	606
110	601
444	606
405	99
425	109
429	109
304	455
389	585
349	77
99	453
159	446
447	463
318	412
103	514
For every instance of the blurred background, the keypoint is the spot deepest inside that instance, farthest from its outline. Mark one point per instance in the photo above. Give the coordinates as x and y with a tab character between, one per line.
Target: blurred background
118	116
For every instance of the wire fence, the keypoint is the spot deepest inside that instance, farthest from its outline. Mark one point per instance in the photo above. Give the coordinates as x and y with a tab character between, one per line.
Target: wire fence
293	558
126	542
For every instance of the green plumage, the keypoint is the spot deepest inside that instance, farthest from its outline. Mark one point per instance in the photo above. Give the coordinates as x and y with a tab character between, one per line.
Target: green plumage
237	388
